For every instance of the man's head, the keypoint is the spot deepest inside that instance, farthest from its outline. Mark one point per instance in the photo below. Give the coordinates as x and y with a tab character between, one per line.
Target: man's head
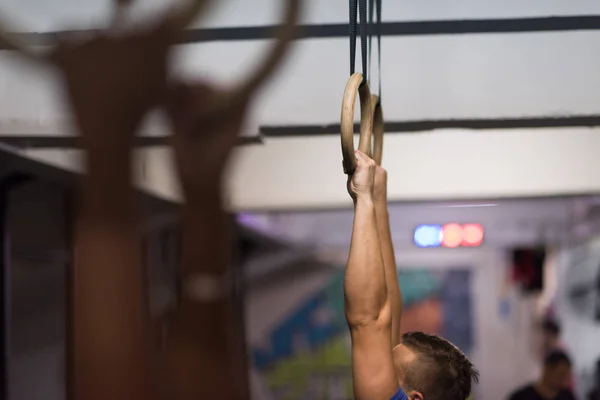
432	368
550	335
557	370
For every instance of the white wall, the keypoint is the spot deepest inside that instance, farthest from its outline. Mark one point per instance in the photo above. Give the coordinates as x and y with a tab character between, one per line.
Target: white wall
303	173
425	77
502	346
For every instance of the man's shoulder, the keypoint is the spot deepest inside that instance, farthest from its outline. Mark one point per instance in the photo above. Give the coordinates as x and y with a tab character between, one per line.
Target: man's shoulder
522	393
566	394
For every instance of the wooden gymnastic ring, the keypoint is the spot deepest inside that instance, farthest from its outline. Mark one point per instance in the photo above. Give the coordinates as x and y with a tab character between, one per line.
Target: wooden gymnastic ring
355	84
378	129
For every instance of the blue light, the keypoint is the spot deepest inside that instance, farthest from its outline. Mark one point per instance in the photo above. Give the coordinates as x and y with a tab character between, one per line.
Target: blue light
428	236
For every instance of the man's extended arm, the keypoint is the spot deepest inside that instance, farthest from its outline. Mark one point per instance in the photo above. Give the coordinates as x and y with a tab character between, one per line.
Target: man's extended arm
387	249
368	310
112	356
202	348
111	346
205	349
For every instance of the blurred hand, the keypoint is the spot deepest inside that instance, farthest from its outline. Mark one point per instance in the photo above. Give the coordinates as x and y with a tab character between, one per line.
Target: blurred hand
380	188
112	82
202	141
361	183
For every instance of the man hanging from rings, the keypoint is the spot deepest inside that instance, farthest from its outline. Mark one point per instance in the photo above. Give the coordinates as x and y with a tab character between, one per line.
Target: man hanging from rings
385	365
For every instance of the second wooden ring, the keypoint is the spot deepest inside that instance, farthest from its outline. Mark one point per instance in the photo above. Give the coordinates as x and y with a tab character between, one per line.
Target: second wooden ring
356	85
378	129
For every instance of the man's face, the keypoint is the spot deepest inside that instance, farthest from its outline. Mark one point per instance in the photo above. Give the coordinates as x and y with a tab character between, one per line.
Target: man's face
558	376
549	342
403	357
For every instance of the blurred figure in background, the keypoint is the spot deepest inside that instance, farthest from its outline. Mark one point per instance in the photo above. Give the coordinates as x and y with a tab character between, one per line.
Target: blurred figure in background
595	392
550	336
554	383
551	341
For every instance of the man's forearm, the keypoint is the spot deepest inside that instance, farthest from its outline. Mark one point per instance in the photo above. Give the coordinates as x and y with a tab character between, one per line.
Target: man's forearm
364	284
391	273
110	332
202	341
367	310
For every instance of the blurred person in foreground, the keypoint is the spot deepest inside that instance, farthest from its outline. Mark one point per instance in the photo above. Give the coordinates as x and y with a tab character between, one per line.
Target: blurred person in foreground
114	352
386	365
554	382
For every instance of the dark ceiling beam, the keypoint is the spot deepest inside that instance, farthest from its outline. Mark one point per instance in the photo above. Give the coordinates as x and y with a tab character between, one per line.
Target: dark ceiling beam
430	125
391	127
72	142
404	28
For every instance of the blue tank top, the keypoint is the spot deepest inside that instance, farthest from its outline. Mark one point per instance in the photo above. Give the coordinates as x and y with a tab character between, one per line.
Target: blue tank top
400	395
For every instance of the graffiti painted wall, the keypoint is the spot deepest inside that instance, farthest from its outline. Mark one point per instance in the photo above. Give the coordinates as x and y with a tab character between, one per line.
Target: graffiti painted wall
306	354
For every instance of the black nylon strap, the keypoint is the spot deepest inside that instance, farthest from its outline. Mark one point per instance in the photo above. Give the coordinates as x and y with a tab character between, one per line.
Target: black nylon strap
375	27
353	28
359	7
378	32
363	38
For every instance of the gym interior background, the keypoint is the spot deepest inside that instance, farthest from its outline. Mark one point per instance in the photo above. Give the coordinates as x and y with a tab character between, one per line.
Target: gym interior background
492	114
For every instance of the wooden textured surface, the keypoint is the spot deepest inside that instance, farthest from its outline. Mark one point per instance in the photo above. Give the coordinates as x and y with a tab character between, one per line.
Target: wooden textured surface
354	85
378	129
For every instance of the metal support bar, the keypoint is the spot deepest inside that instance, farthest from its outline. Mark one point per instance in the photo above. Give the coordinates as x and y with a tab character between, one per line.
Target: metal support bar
6	185
398	127
403	28
73	142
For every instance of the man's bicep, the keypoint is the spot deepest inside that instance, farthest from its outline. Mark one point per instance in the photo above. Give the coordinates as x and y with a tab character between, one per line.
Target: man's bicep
373	371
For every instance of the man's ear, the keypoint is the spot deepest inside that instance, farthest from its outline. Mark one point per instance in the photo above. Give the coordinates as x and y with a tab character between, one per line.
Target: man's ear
414	395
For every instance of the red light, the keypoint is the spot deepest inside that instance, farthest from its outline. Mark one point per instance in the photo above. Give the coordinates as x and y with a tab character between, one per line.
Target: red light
453	235
472	235
457	235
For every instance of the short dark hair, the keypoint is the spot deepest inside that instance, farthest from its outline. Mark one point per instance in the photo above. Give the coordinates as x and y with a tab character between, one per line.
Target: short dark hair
557	357
441	370
551	326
